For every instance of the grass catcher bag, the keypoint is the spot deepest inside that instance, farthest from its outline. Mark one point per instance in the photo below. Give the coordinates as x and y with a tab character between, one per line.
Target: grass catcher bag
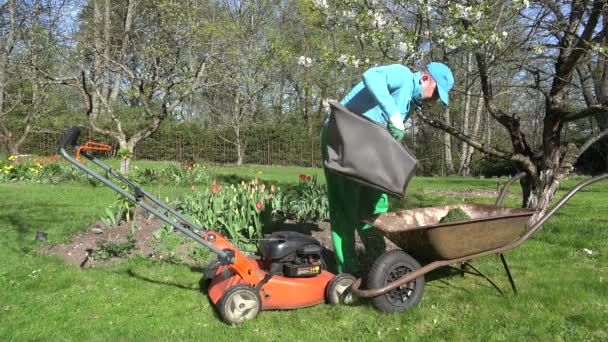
365	152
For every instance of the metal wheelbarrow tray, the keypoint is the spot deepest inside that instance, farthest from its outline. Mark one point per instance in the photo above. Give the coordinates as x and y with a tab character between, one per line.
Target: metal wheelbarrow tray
418	232
396	280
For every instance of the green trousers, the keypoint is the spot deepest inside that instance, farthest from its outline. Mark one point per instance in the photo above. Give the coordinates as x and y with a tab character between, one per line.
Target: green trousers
349	203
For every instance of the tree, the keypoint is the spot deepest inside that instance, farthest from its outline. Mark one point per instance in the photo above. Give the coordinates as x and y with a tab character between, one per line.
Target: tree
564	40
136	63
247	69
28	30
8	30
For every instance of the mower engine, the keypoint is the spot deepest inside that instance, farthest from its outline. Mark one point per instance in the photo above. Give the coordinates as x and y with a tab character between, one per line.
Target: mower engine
291	254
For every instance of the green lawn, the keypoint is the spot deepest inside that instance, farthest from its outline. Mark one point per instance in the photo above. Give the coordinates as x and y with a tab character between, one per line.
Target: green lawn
563	291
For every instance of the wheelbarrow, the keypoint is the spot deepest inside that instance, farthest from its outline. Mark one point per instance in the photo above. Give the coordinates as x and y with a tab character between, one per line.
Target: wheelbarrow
396	279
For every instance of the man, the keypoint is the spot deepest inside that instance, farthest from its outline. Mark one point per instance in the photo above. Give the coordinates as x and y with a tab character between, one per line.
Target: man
387	94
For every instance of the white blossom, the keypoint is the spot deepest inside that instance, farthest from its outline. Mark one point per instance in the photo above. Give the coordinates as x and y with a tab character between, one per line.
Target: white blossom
348	61
321	3
343	60
325	105
521	4
405	48
467	12
378	20
350	14
305	61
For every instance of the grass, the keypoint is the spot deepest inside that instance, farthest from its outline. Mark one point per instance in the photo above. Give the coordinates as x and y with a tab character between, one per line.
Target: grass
563	291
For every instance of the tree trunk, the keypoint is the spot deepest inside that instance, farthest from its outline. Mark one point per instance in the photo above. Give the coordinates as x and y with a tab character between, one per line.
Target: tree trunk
125	161
240	149
447	144
466	171
13	150
467	110
308	99
125	165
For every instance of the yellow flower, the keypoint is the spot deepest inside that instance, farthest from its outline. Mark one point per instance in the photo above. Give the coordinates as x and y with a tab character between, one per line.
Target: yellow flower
11	157
6	172
259	173
32	169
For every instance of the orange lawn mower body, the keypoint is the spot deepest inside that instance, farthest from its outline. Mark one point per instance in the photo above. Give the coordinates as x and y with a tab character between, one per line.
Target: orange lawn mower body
289	273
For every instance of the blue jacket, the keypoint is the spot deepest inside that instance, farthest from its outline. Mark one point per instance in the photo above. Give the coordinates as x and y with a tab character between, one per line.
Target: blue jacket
384	91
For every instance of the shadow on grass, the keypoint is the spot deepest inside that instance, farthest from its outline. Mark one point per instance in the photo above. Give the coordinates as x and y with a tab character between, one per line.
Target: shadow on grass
202	289
441	278
130	273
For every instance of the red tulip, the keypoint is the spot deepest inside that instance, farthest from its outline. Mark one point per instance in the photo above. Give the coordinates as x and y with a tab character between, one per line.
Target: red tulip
302	176
259	205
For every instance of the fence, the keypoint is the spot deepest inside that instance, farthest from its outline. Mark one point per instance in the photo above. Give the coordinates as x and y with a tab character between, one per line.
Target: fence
286	145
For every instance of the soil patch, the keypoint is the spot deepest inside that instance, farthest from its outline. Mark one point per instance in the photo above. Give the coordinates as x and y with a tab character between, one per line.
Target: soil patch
83	244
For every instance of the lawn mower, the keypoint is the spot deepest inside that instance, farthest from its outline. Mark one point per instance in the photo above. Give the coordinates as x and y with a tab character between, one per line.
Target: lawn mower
289	273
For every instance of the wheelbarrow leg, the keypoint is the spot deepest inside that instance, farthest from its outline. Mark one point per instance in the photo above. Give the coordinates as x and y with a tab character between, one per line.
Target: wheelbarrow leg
506	265
478	272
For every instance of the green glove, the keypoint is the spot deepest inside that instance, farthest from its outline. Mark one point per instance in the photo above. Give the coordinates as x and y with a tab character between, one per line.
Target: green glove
396	132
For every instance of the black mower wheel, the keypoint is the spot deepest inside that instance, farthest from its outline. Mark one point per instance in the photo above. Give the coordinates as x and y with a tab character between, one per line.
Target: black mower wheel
389	267
209	274
239	303
337	291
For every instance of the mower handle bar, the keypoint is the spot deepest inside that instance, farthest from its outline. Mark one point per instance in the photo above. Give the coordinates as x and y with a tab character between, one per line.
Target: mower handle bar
71	138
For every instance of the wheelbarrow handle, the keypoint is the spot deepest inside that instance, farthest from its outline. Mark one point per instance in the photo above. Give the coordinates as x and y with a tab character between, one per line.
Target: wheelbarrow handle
565	199
503	192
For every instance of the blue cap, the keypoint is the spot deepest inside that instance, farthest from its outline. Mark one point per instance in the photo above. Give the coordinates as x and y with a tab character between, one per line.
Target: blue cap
444	78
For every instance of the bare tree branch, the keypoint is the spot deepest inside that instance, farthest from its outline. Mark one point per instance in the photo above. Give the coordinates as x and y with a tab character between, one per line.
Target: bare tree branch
589	111
519	158
590	142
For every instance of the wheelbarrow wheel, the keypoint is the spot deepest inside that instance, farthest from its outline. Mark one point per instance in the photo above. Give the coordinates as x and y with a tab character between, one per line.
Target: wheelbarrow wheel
337	291
389	267
239	303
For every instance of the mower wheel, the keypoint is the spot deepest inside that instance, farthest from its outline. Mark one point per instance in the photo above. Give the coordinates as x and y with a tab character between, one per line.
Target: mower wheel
337	291
389	267
239	303
209	274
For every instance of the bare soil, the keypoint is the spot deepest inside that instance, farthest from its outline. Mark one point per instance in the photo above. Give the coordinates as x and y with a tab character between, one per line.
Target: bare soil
83	244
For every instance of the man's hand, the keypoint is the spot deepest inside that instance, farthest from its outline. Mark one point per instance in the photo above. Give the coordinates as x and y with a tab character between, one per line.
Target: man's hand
395	127
396	132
